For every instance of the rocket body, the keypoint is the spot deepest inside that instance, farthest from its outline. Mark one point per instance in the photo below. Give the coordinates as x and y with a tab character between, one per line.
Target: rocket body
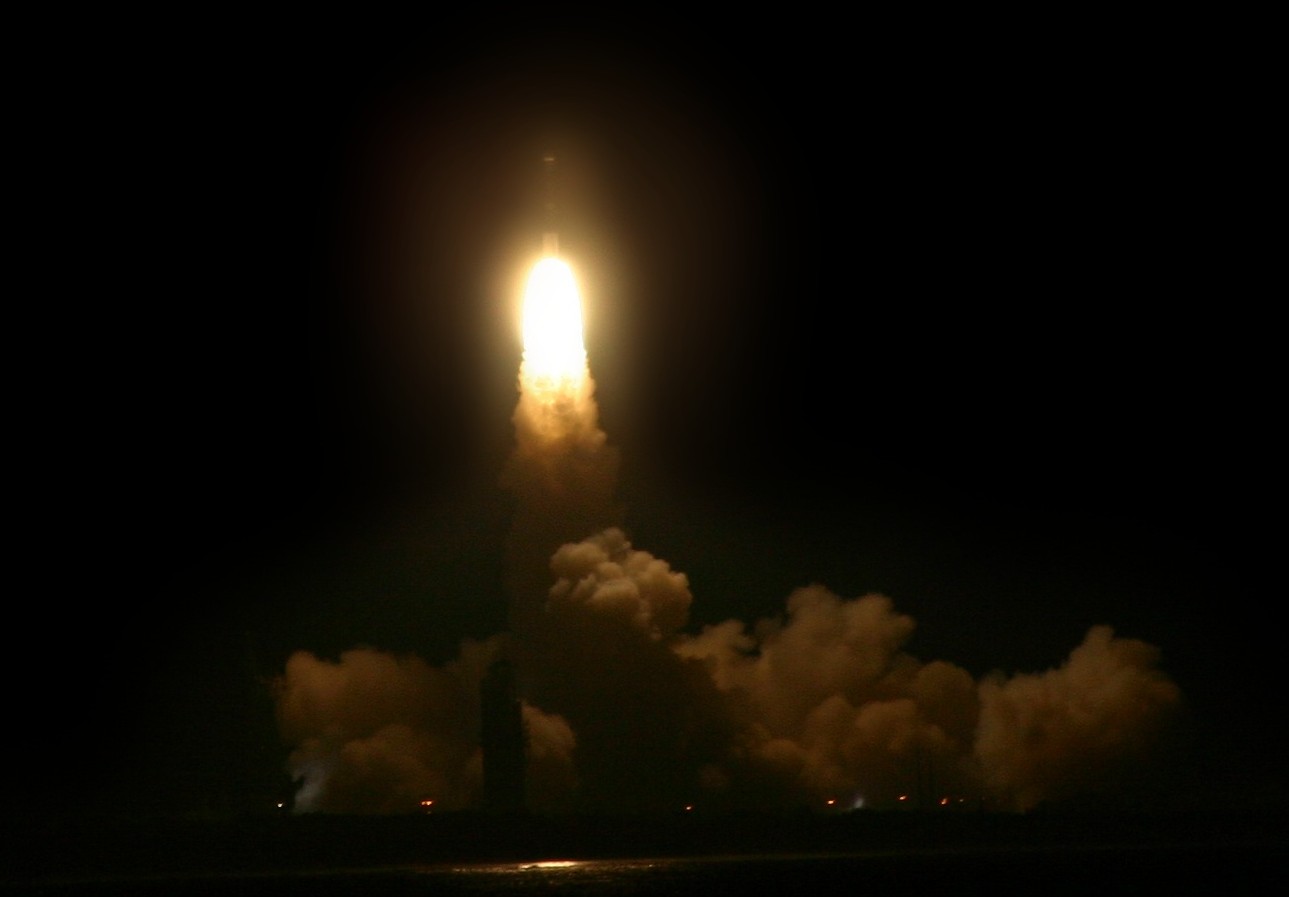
550	235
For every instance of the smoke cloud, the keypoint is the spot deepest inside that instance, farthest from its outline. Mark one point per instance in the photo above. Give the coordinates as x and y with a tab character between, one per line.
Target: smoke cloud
626	708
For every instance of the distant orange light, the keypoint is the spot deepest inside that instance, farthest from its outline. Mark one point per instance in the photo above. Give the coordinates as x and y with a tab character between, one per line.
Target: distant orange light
688	807
944	801
904	797
831	801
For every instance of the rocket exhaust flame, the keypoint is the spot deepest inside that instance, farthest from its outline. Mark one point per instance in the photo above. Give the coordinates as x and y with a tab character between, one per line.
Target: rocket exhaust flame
554	354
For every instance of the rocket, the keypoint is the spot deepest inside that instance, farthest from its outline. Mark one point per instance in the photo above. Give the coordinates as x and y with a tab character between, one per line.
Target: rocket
550	237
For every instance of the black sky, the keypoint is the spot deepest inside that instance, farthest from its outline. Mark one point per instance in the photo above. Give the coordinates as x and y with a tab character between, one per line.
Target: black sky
968	324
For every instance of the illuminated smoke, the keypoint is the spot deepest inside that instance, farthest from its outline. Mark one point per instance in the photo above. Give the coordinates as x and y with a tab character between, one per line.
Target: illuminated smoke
376	733
626	708
1074	733
835	705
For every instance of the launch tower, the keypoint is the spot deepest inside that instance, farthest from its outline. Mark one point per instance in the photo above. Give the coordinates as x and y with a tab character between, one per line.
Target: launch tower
503	741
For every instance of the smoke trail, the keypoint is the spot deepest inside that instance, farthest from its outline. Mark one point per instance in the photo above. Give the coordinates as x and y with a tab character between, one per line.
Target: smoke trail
562	474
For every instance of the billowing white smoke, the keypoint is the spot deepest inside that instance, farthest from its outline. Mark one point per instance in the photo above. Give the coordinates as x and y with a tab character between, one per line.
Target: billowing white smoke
1092	729
605	578
626	710
836	707
376	733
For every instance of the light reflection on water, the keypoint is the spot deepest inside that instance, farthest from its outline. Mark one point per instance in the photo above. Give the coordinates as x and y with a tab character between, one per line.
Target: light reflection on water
563	875
1020	872
1106	872
570	866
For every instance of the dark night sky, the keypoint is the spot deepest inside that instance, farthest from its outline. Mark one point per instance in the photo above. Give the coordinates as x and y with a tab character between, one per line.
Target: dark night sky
974	326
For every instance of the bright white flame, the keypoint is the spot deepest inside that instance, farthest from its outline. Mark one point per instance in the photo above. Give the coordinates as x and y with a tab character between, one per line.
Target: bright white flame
553	347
